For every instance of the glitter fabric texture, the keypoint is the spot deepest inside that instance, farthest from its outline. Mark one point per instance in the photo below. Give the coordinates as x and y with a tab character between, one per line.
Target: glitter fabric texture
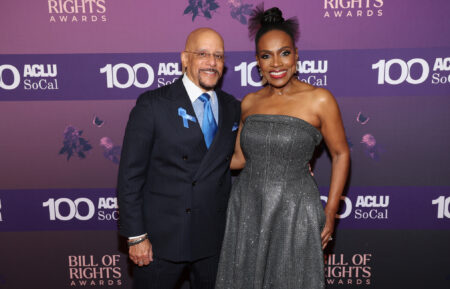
275	216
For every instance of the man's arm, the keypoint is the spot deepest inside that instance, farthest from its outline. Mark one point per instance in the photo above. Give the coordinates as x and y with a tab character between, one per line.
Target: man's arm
133	168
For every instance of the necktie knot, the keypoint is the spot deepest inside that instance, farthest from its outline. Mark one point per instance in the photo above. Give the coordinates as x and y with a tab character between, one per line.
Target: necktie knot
204	97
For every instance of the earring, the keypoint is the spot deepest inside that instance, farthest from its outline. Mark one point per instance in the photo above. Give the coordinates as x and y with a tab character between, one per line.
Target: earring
263	79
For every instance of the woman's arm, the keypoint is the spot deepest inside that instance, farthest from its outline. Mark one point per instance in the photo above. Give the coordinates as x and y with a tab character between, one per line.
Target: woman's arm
332	130
238	160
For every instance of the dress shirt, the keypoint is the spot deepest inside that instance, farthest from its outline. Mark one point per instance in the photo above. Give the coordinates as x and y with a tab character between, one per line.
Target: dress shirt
194	92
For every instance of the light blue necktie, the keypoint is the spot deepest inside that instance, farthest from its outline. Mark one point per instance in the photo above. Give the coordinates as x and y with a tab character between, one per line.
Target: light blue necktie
209	126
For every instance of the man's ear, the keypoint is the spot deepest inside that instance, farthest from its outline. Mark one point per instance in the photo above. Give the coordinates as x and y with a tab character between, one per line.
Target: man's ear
184	61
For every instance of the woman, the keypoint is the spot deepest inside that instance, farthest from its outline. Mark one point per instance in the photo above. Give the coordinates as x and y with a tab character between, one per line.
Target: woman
276	225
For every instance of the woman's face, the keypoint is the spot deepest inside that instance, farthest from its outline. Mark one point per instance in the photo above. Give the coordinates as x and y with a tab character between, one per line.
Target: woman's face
277	57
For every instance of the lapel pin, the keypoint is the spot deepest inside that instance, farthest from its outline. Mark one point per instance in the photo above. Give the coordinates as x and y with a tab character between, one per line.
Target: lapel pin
186	117
235	126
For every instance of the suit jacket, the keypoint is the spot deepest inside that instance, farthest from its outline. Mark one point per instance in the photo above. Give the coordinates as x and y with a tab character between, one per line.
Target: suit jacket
170	185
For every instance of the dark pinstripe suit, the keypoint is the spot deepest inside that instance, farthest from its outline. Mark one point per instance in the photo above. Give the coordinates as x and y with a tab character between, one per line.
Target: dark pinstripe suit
170	185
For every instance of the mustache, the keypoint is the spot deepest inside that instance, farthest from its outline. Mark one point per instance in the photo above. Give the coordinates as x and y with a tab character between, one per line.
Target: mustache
210	70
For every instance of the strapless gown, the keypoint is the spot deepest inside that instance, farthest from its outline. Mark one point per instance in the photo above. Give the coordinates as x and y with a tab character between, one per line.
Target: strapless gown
275	216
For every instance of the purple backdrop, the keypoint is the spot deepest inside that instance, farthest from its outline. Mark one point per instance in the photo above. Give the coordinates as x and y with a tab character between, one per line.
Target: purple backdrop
70	72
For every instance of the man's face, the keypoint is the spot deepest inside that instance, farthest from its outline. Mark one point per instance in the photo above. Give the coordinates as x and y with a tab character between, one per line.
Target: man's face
203	59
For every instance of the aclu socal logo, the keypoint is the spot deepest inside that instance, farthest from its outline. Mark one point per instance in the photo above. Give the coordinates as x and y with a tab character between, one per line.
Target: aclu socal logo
140	75
313	72
414	71
352	8
168	73
82	209
366	207
344	269
77	11
93	270
310	71
35	77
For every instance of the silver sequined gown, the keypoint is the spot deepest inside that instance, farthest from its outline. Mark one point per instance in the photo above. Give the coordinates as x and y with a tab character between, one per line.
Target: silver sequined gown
275	216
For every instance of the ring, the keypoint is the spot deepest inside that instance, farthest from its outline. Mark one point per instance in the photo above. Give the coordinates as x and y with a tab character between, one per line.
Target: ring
140	263
329	239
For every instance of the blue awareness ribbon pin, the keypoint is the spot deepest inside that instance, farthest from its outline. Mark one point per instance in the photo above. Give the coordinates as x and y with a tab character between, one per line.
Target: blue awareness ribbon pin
185	117
235	126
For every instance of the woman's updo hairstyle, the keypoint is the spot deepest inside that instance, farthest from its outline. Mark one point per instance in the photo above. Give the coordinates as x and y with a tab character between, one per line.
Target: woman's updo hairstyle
261	22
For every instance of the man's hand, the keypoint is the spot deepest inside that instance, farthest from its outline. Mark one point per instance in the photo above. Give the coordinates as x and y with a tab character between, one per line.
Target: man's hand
142	253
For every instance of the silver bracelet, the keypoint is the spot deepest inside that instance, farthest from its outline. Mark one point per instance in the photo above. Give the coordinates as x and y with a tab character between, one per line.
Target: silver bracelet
135	242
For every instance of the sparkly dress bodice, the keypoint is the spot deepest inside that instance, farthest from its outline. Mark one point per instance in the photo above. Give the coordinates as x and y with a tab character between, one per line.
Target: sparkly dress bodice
275	216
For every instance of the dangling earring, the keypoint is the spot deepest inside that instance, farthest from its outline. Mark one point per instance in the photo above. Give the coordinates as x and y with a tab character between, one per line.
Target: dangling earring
263	79
297	69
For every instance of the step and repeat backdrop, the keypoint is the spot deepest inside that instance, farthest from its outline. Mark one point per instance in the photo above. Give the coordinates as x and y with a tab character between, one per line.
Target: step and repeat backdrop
71	70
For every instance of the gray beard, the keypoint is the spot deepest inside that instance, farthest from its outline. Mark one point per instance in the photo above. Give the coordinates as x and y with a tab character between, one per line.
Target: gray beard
206	86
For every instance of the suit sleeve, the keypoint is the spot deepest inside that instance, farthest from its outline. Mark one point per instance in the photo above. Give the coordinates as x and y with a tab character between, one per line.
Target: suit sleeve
134	163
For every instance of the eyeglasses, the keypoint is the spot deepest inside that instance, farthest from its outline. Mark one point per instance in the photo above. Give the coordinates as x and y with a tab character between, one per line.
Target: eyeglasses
203	55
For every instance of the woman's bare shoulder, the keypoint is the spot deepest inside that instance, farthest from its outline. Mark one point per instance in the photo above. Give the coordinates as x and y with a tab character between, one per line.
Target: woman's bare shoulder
322	96
250	99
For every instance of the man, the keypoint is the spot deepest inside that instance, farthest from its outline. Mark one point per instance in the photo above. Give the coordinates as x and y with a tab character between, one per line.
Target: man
174	178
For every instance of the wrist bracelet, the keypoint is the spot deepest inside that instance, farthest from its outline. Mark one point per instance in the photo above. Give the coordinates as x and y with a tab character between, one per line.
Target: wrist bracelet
135	242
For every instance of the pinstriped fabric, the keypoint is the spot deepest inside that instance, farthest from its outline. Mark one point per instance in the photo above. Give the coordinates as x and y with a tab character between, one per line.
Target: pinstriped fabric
163	274
275	216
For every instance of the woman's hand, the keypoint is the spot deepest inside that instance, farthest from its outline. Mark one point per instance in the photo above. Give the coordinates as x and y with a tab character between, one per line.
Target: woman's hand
328	230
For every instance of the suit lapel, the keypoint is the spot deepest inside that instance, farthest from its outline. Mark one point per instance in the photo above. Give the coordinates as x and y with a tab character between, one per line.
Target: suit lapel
181	100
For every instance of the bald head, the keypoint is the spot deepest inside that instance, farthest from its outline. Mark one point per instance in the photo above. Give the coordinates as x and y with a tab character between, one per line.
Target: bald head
202	34
202	58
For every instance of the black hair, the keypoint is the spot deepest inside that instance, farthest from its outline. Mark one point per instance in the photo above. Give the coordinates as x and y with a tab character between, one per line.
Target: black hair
262	22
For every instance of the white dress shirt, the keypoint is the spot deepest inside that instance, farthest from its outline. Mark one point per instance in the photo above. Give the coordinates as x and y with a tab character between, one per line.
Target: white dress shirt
194	92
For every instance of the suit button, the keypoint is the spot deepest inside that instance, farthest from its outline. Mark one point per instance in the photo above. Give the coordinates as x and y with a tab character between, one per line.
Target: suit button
228	158
220	183
188	211
194	183
185	158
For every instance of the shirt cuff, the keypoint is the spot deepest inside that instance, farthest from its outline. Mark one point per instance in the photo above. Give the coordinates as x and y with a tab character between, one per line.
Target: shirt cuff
136	237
